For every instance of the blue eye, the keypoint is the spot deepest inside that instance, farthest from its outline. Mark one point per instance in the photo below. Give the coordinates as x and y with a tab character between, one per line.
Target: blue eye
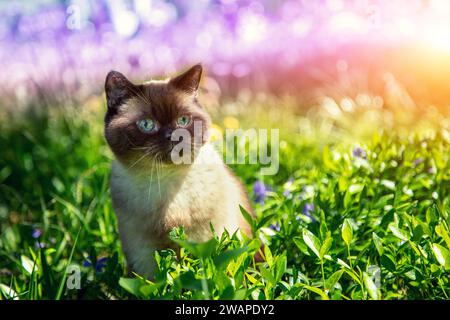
146	125
183	121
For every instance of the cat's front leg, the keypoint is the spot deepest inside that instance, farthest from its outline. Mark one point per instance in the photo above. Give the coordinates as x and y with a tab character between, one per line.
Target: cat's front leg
142	261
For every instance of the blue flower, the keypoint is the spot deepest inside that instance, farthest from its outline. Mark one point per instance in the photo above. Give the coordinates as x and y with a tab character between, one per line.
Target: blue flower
260	191
100	264
36	233
87	263
359	153
307	209
275	226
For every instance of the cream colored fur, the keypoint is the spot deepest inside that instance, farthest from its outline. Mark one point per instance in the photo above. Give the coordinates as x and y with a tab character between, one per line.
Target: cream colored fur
150	202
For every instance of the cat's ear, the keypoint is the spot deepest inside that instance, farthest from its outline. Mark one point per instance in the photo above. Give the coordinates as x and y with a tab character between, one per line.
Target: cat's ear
117	88
189	80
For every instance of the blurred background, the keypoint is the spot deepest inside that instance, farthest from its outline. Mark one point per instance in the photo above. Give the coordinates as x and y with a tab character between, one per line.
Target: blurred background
356	52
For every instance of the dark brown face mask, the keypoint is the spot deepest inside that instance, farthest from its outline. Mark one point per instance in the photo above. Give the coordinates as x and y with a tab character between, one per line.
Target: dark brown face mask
140	119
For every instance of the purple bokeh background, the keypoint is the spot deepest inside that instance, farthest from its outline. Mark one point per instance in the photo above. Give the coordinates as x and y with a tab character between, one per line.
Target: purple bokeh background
67	47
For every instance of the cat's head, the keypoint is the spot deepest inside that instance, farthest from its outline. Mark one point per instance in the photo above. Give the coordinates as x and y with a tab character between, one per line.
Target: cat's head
141	120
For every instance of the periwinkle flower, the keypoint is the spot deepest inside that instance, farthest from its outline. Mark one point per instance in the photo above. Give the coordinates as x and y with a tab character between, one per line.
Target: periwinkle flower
100	264
36	233
260	191
275	226
359	152
307	209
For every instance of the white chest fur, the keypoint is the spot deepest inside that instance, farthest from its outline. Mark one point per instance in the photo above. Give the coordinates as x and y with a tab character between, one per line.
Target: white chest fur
149	204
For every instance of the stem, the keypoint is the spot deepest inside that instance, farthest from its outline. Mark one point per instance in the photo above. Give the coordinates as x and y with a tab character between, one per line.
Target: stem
323	274
348	257
204	283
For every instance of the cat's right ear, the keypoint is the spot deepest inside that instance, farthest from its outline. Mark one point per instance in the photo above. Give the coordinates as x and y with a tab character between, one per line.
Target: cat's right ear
117	88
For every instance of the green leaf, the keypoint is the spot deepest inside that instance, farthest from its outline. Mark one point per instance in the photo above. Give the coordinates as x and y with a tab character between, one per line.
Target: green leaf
8	292
442	255
280	266
132	285
222	260
388	184
240	294
383	201
200	250
188	281
402	235
265	220
47	274
431	215
388	262
248	217
333	279
301	245
371	287
28	265
347	232
378	243
268	276
327	158
326	245
417	233
442	232
268	256
311	241
356	188
318	291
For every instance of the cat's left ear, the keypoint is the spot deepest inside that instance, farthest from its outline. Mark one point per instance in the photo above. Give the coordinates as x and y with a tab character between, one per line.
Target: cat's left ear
189	80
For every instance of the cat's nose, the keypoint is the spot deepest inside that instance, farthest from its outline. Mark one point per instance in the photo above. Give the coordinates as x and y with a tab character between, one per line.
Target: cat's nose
167	133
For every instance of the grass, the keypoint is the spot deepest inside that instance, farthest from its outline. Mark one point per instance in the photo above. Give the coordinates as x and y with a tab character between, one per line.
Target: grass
359	210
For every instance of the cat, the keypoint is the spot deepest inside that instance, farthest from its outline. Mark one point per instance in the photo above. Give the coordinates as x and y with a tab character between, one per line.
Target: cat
150	193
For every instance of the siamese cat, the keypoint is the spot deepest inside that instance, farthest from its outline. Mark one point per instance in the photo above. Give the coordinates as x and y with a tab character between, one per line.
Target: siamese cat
150	193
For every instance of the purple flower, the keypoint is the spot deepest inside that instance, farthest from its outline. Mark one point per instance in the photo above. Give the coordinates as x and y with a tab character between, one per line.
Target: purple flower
36	233
431	170
359	153
275	226
101	264
418	161
307	209
260	191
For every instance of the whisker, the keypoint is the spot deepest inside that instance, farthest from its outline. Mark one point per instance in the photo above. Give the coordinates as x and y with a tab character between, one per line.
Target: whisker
157	172
151	183
137	161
